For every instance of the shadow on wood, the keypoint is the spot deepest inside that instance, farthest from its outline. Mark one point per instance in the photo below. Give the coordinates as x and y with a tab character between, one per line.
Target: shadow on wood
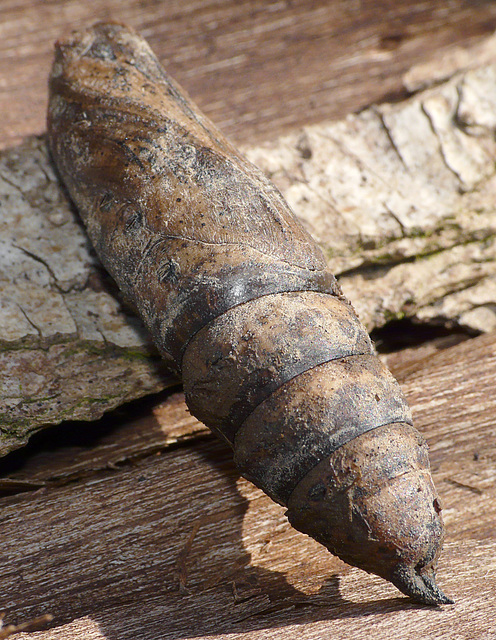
152	541
98	544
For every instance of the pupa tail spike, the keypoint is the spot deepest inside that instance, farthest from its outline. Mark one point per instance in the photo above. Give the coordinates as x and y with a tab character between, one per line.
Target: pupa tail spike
419	586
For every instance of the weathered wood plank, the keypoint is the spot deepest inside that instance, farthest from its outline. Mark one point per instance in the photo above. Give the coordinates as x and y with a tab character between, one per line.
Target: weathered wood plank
101	553
257	68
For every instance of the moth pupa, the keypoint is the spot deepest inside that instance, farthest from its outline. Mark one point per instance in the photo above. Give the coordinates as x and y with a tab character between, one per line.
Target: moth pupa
239	300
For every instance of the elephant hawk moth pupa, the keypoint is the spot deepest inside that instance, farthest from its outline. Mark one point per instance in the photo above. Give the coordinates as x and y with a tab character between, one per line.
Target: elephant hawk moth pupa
239	300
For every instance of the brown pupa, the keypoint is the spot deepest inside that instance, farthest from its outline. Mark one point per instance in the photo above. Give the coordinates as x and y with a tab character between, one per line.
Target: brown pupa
239	300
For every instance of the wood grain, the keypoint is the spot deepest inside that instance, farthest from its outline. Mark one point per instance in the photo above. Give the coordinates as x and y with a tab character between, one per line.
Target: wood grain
256	67
116	533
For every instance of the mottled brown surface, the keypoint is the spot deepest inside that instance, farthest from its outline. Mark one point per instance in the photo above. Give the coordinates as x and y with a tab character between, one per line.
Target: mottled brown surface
311	416
400	197
183	223
258	336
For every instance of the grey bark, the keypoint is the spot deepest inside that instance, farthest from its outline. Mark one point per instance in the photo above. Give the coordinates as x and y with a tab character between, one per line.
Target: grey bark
401	198
69	348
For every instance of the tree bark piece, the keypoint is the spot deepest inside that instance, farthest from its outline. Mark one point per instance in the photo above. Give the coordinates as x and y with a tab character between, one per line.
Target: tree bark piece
401	198
69	349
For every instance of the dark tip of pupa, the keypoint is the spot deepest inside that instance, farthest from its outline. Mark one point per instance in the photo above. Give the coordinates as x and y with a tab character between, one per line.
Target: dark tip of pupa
420	587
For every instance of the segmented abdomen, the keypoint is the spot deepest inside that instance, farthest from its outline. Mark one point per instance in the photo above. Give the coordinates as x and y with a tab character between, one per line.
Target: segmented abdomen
287	379
239	300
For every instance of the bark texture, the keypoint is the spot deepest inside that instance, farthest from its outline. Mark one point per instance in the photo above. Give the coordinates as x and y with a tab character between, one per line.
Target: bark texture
69	348
401	199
